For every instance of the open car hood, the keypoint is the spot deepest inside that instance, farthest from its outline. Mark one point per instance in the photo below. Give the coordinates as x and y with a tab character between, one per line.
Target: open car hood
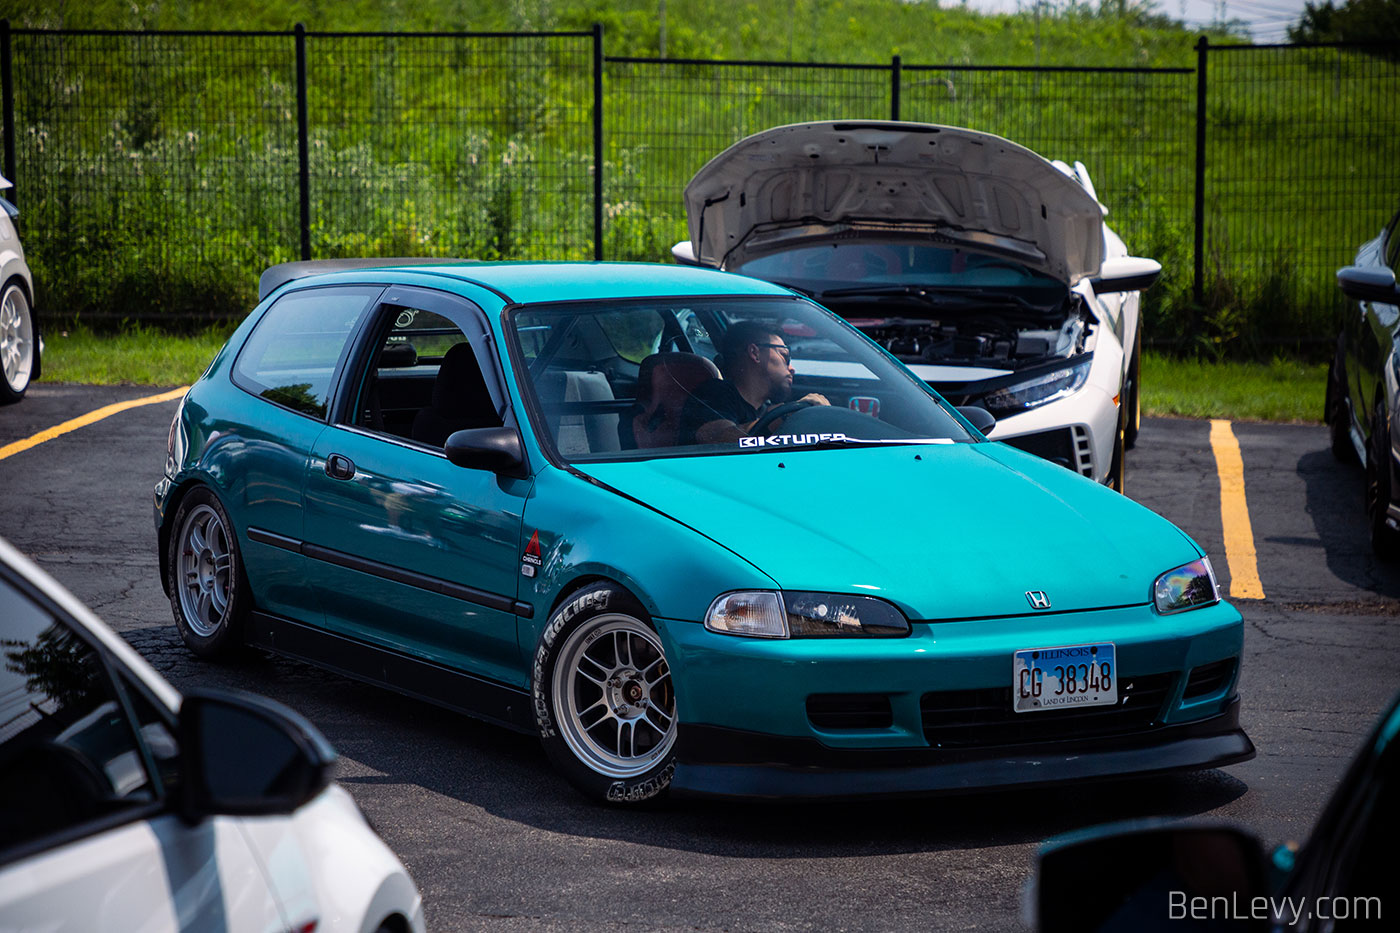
819	180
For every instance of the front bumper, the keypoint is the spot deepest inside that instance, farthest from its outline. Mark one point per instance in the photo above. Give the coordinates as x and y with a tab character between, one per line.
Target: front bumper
731	763
931	712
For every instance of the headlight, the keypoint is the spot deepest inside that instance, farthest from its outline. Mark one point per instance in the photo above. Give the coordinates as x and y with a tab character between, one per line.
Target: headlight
1038	390
1186	587
766	614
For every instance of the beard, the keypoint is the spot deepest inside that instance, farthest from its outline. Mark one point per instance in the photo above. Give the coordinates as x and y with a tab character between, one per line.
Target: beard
780	392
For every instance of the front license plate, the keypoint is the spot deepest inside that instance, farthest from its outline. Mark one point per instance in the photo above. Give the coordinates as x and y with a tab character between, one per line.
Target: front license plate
1067	677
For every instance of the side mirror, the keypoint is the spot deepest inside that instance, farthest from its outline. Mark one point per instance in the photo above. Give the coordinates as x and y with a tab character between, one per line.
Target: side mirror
496	450
981	419
1369	283
247	755
1152	879
1125	274
683	254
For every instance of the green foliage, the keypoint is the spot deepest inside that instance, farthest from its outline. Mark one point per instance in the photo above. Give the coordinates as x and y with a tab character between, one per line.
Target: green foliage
137	355
1353	21
1277	389
158	176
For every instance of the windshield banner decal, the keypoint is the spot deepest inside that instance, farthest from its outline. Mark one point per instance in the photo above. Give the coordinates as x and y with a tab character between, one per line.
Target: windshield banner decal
797	440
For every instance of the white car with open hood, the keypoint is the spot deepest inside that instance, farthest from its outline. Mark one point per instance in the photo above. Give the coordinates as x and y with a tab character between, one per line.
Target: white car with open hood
985	268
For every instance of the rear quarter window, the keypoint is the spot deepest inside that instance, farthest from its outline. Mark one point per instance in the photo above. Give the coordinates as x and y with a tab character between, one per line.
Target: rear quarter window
292	355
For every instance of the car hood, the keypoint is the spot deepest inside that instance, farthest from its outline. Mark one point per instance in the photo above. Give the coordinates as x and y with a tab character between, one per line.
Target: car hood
815	180
945	532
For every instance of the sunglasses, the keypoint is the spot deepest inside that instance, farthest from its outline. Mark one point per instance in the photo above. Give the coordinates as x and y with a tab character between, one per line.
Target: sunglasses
782	350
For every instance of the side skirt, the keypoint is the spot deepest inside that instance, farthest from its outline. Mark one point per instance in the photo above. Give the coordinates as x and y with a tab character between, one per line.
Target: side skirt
464	693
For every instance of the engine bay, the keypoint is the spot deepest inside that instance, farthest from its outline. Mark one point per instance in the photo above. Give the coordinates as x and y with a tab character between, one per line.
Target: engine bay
995	339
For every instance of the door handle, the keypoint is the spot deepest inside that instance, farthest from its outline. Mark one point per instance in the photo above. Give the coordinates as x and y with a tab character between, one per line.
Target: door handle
340	467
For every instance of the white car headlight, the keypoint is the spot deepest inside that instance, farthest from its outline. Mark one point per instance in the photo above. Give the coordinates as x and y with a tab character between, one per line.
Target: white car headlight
766	614
1039	390
1187	587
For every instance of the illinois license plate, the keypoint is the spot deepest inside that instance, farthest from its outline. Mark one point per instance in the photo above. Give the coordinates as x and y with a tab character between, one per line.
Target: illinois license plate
1067	677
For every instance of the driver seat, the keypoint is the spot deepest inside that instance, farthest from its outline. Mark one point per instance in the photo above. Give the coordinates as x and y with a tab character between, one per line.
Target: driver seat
664	382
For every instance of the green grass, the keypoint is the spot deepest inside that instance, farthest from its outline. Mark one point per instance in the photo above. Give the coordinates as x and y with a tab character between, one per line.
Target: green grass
141	356
1282	390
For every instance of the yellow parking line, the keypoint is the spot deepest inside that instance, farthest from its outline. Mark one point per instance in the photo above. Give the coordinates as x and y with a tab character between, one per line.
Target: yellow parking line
1234	514
48	434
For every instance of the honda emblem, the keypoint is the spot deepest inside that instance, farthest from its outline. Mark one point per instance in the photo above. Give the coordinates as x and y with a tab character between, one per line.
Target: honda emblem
1037	599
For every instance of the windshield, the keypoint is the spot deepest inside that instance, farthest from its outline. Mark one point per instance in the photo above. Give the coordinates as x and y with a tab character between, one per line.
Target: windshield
864	266
677	377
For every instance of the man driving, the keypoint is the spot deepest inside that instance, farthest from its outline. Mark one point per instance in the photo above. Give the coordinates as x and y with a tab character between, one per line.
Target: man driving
757	368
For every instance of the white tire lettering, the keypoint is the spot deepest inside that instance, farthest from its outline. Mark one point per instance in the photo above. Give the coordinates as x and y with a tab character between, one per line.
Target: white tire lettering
620	792
598	599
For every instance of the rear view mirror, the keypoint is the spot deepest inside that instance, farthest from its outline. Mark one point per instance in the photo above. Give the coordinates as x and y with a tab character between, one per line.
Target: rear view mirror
246	755
1368	283
1125	274
1161	878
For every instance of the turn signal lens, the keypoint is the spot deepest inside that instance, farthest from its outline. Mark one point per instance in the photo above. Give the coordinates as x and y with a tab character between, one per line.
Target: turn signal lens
758	614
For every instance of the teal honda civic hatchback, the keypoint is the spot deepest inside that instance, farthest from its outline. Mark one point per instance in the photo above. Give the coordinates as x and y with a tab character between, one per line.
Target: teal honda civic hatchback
695	531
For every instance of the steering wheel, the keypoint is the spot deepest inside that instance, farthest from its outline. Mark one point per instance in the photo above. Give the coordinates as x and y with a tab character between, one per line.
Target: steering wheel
764	424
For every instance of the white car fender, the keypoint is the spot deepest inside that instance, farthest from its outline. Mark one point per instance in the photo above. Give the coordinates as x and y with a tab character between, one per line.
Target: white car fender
328	865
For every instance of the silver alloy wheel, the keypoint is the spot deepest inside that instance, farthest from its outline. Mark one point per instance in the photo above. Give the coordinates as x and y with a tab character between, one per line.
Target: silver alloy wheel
16	339
612	691
204	574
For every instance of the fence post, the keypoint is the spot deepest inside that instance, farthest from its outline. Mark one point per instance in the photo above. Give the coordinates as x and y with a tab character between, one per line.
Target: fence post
896	78
7	78
598	141
1198	285
303	145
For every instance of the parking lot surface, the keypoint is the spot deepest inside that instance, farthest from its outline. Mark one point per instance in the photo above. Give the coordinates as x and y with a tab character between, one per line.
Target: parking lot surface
497	840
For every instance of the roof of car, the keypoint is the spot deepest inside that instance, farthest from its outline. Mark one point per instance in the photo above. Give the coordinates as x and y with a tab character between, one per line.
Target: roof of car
529	282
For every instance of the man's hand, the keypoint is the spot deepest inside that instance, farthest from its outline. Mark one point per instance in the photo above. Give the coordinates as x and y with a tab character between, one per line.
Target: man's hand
814	399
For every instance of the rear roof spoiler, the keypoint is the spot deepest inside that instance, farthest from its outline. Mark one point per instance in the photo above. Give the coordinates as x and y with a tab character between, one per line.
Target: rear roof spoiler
277	276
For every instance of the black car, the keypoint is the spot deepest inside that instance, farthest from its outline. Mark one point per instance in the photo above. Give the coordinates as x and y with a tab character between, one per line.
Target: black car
1364	378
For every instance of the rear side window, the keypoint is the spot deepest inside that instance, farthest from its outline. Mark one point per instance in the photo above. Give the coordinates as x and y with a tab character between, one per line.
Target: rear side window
292	355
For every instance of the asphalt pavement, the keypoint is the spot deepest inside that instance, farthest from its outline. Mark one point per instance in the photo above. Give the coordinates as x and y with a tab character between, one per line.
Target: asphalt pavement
496	840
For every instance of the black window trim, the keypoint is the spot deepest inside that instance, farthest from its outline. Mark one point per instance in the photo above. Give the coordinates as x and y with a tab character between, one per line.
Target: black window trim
111	671
337	375
460	310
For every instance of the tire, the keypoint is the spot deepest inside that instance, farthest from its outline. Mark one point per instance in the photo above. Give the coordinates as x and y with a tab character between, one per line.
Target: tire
1132	393
601	685
1385	541
19	344
1116	466
1337	416
209	592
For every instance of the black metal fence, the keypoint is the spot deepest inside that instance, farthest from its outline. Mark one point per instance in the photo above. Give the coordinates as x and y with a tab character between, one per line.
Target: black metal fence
1300	165
159	172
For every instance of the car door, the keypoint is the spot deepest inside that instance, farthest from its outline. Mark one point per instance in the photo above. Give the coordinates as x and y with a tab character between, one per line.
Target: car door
89	840
407	551
291	363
